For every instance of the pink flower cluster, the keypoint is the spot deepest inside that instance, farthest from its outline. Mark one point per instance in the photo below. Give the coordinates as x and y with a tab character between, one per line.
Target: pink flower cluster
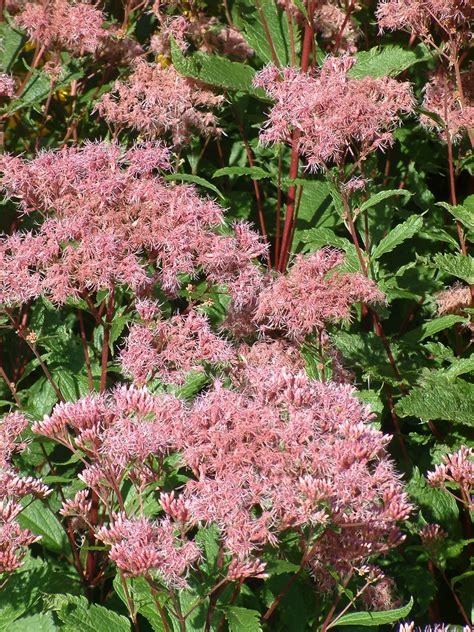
74	26
171	347
418	15
13	487
442	99
276	452
204	33
312	294
150	548
118	434
107	216
333	115
157	102
7	86
456	470
454	300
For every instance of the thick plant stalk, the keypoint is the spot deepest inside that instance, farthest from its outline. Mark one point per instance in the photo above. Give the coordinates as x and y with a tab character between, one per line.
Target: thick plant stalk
294	163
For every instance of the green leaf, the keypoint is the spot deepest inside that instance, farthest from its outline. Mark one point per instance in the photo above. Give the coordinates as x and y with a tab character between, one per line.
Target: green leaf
41	521
398	235
11	43
256	173
460	367
41	398
390	60
383	195
249	20
19	595
189	177
118	325
142	599
195	381
435	504
242	619
368	619
437	397
469	203
460	212
77	614
38	87
461	266
43	622
432	327
208	539
316	207
215	70
366	350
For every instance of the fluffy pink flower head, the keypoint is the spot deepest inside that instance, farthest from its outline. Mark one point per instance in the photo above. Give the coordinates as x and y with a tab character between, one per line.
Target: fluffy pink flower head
203	33
301	453
141	547
13	487
108	216
418	15
312	294
442	99
333	114
13	543
454	300
456	468
158	102
172	347
75	26
11	426
7	85
118	433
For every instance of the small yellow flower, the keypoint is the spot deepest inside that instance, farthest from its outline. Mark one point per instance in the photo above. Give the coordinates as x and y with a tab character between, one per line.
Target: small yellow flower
29	46
13	121
163	61
62	94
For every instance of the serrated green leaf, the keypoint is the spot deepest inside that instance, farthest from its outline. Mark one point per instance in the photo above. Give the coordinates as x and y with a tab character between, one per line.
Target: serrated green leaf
208	539
383	195
116	329
43	622
461	266
41	398
435	504
432	327
460	212
195	381
469	203
242	619
11	43
369	619
256	173
383	61
398	234
459	367
215	70
249	20
77	614
189	177
439	398
366	350
41	521
19	594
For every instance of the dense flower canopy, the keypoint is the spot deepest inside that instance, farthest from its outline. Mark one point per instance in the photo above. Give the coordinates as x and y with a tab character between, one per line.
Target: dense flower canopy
333	114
